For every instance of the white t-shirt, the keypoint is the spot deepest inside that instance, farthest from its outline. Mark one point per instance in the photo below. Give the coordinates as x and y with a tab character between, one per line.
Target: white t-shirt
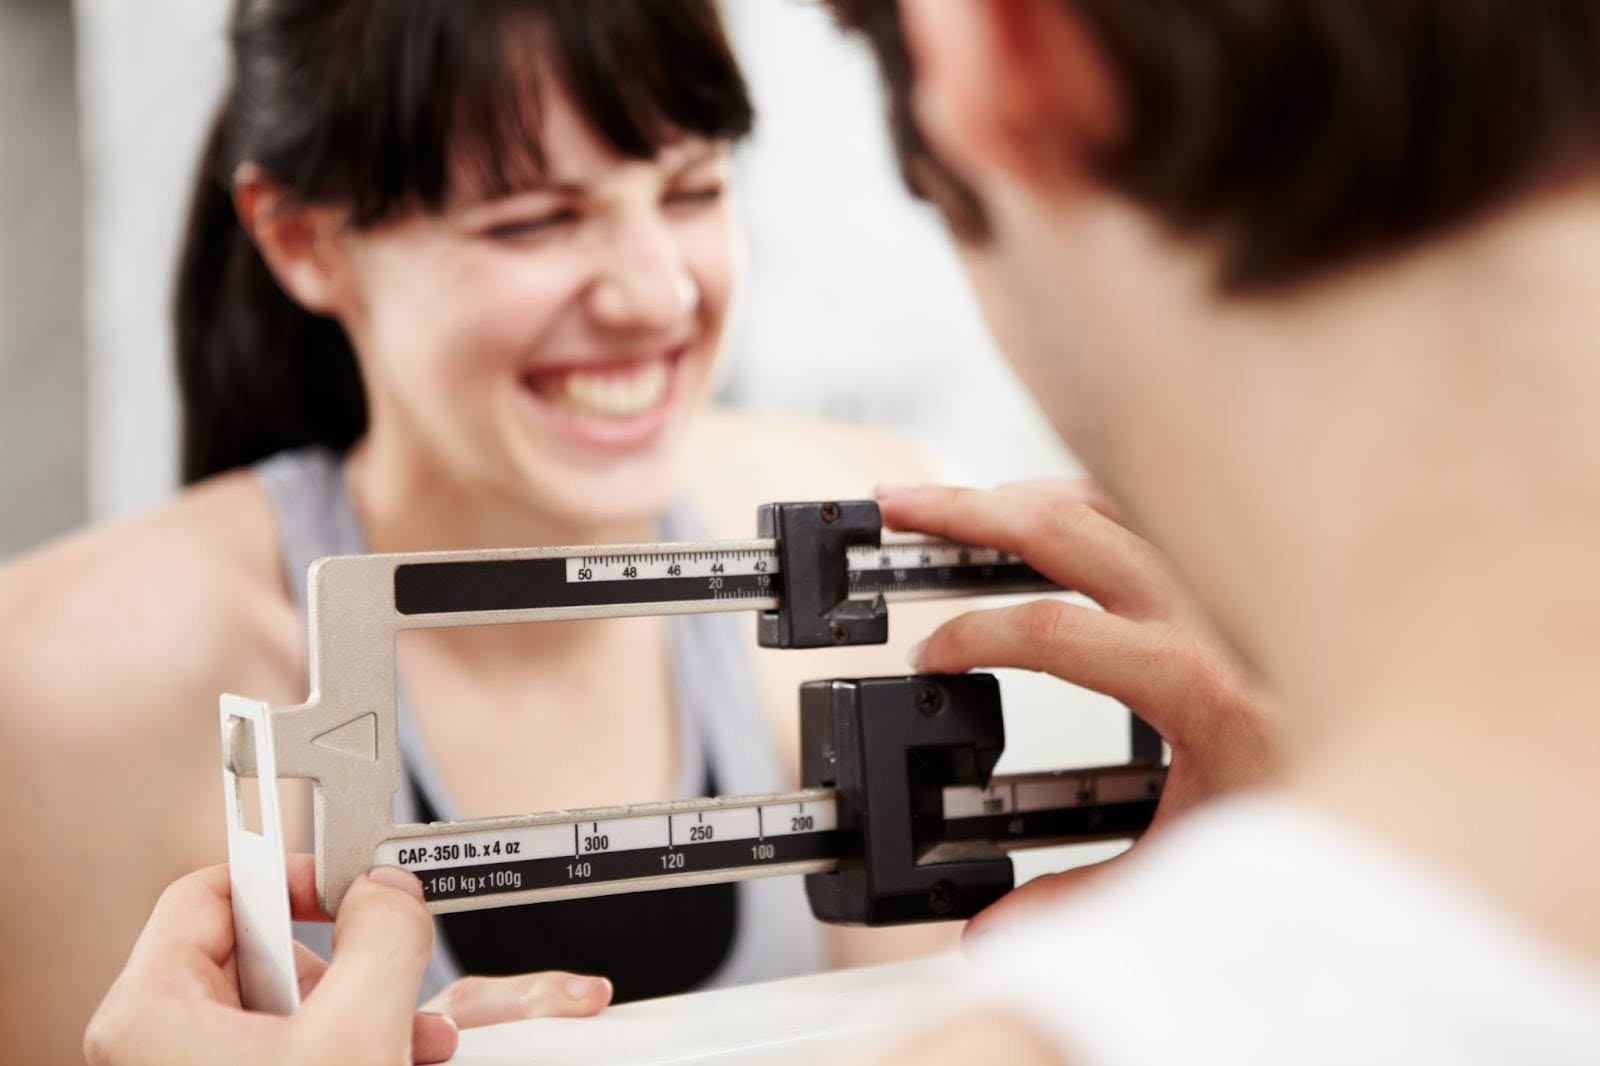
1264	933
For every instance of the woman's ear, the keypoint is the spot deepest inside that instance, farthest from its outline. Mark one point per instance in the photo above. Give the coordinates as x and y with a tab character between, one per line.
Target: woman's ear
297	241
1015	86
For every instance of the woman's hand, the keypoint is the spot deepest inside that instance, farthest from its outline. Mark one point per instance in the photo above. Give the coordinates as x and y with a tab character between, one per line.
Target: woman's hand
177	999
1149	648
474	1001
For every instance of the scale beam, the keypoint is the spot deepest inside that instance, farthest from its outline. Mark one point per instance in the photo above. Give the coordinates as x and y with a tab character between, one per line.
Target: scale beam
879	842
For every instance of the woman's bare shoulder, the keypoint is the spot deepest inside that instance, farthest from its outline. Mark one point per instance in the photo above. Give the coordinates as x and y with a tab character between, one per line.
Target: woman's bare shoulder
149	615
742	459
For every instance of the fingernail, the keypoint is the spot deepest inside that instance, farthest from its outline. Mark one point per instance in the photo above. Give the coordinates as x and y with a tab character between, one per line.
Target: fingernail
451	1022
914	656
890	491
395	877
580	988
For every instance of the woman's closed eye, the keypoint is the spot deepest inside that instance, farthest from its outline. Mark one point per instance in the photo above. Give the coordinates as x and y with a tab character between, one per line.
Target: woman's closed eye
532	225
696	195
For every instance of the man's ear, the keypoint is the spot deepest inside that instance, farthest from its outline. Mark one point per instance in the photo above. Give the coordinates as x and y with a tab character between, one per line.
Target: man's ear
1019	86
297	241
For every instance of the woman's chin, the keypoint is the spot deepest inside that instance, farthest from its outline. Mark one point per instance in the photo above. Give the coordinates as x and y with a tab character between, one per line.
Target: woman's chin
622	500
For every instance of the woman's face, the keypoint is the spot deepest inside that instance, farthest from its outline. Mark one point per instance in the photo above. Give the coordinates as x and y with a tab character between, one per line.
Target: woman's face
545	350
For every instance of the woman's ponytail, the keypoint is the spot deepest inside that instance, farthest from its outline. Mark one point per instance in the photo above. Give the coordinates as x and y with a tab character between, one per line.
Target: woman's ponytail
257	373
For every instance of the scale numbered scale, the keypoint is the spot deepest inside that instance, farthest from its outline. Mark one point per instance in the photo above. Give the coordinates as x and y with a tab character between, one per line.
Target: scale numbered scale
901	819
590	853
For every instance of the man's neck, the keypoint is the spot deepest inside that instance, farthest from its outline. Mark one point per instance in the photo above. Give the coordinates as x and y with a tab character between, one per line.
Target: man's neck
1435	626
1484	764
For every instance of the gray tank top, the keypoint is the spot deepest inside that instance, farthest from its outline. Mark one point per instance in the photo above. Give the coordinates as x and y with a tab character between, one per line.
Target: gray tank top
721	732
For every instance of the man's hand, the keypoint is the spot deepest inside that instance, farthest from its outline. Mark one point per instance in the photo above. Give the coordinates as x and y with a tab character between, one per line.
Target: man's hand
1149	648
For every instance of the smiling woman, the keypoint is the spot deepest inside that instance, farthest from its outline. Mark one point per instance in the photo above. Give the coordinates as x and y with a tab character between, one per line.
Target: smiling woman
456	276
491	230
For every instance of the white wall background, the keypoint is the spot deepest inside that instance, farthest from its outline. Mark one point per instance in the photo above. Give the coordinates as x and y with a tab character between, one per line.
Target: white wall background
856	304
42	373
150	74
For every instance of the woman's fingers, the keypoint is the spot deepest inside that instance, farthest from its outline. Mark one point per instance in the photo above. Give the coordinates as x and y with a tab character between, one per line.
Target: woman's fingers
1160	677
475	1001
1059	533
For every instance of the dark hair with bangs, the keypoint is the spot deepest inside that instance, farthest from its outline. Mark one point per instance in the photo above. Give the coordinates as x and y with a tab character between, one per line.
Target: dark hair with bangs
1306	135
380	106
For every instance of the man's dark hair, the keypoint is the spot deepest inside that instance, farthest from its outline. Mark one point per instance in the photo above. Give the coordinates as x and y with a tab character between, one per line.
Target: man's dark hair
1304	135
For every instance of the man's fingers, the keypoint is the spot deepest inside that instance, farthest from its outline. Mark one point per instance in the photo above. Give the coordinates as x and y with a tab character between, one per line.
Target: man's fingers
1060	535
382	939
1041	891
1132	663
475	1001
1086	490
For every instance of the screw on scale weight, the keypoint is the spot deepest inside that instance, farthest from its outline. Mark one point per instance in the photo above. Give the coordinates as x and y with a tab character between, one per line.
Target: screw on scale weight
943	898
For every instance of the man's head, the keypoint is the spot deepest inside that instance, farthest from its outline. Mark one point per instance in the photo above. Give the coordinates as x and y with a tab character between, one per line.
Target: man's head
1235	247
1299	135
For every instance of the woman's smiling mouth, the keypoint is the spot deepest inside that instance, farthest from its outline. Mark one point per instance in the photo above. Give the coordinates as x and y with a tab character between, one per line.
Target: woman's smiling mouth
616	391
620	403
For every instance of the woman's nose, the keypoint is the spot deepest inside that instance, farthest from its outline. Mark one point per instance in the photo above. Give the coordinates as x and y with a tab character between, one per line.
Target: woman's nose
644	283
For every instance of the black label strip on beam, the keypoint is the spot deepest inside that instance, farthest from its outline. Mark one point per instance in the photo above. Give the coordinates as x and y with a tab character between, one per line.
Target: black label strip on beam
609	867
533	584
1108	819
997	577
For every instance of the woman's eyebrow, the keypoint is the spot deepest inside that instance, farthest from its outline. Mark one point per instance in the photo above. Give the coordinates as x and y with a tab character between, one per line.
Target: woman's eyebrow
557	188
694	157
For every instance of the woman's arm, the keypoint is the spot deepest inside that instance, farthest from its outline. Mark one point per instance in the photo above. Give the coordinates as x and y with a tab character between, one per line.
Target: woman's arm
114	646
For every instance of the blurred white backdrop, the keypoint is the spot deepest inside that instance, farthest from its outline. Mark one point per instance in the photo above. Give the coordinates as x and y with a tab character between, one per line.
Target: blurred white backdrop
150	73
42	368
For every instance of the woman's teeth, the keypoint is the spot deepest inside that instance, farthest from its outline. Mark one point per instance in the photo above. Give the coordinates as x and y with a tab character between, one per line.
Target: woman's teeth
613	394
